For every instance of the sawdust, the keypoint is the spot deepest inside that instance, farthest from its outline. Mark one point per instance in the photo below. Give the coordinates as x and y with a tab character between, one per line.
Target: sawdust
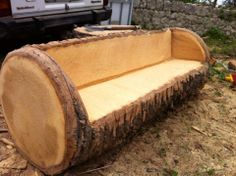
197	138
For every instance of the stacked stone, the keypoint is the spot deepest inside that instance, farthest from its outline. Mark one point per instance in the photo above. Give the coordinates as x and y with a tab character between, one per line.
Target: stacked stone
157	14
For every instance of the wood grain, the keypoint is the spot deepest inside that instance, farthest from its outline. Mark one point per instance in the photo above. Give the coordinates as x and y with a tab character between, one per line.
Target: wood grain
110	58
104	98
125	80
31	86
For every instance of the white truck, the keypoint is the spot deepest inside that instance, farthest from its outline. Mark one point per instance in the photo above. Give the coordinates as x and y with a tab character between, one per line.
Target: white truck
33	16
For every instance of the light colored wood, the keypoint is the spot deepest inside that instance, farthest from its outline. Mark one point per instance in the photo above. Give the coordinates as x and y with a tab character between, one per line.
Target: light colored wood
104	98
187	45
88	63
124	80
39	105
33	111
102	30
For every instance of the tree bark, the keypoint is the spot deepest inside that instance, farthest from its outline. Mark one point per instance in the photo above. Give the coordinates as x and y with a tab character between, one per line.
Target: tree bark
85	139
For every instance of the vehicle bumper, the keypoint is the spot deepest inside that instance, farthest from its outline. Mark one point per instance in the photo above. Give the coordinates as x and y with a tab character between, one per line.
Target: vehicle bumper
10	27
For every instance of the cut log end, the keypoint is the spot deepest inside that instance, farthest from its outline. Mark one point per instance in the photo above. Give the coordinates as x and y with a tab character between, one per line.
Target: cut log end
121	88
38	115
33	112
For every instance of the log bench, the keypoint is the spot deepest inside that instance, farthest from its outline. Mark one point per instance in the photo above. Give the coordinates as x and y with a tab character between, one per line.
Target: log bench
65	102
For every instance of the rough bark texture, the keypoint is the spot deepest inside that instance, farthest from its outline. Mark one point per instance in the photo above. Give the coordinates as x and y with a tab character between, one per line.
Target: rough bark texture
74	41
69	98
115	128
86	140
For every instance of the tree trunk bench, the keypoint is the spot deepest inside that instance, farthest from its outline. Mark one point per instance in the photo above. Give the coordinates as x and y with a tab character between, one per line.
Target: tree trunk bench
65	102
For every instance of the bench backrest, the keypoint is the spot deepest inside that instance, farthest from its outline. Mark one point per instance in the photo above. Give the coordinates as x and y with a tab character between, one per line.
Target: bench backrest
98	60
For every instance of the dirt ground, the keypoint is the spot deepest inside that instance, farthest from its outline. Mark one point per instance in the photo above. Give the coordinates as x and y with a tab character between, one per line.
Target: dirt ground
198	138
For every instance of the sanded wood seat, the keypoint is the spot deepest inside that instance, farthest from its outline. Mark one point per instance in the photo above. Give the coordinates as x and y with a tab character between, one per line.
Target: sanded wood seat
68	101
128	88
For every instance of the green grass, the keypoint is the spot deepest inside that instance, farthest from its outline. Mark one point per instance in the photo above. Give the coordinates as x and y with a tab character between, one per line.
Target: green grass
218	71
220	43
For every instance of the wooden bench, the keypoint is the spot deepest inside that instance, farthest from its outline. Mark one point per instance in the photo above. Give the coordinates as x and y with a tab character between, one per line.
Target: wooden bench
65	102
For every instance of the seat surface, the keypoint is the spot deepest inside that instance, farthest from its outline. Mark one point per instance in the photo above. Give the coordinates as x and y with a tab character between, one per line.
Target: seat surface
103	98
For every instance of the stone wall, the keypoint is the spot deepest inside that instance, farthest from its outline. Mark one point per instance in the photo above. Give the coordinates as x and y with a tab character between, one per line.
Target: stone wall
156	14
